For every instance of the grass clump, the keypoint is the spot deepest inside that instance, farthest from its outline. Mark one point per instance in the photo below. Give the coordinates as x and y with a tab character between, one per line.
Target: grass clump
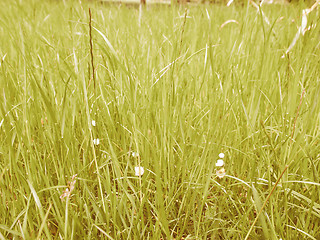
133	155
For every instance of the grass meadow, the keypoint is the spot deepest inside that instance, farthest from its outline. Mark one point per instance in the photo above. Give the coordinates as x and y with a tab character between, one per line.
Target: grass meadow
164	91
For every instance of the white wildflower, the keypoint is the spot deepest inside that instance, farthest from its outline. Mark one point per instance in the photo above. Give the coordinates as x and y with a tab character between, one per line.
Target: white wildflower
139	171
93	123
135	154
221	155
96	141
221	173
220	163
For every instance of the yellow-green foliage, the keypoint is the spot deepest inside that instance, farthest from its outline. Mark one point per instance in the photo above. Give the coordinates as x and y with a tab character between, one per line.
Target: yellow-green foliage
135	156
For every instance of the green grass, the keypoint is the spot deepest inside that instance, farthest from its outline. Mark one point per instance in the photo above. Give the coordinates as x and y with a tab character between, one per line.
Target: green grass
176	90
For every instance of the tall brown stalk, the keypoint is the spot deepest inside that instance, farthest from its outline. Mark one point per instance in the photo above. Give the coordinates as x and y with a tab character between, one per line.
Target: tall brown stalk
91	52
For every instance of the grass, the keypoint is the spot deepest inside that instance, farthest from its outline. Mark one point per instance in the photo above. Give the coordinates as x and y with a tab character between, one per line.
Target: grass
178	90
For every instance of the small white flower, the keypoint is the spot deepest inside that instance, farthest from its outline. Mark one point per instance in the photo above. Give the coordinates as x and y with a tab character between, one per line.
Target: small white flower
221	155
139	171
93	123
220	163
221	173
135	154
96	141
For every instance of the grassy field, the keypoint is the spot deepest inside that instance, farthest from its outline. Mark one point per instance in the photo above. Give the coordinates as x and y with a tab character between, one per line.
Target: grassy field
167	92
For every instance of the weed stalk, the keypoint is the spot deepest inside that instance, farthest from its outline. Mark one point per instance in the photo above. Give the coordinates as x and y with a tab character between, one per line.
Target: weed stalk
265	202
91	52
